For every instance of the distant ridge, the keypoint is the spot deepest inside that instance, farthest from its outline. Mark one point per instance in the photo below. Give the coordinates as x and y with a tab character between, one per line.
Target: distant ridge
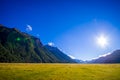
62	57
114	57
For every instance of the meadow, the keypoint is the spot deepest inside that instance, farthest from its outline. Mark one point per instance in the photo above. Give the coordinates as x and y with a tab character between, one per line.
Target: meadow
39	71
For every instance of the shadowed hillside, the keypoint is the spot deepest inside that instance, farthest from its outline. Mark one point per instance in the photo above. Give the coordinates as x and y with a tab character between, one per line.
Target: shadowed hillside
59	54
16	46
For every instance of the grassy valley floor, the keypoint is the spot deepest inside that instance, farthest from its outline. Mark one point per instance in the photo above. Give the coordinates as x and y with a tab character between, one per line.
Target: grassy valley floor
36	71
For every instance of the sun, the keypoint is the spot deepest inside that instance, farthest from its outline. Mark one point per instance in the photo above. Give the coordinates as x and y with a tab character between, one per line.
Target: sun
102	41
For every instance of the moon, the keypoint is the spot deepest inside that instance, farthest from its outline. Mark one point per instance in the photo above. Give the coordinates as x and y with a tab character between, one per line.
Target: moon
102	41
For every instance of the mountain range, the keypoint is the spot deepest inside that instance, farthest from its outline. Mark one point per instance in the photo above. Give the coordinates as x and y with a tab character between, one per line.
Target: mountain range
113	57
17	46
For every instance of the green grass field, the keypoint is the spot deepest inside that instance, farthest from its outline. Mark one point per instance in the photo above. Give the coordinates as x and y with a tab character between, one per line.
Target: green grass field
29	71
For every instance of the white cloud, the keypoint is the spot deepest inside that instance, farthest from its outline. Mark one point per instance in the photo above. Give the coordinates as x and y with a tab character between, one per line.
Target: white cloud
71	56
28	28
51	44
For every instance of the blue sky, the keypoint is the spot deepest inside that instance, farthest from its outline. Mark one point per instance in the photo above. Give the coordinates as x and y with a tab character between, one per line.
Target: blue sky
72	25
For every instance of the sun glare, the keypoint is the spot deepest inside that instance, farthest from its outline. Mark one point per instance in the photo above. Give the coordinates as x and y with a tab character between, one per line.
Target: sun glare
102	41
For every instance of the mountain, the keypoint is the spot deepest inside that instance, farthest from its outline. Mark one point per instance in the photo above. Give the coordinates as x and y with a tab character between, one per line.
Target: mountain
16	46
114	57
78	61
59	54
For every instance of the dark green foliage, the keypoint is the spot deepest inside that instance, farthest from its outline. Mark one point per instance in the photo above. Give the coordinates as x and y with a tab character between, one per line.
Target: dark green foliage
16	46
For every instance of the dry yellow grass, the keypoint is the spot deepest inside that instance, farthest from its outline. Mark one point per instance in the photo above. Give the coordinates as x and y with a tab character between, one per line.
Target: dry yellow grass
34	71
